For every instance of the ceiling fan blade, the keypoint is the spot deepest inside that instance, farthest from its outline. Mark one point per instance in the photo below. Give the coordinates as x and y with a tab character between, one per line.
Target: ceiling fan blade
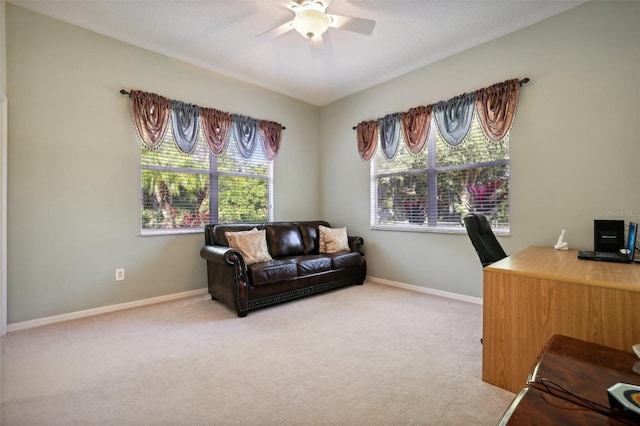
357	25
325	4
317	43
290	4
276	32
317	47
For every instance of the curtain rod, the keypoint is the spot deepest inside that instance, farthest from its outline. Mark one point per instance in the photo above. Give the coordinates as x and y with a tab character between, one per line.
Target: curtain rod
523	81
124	92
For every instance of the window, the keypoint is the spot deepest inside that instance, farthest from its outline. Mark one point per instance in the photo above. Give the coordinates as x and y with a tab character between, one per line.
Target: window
182	193
432	190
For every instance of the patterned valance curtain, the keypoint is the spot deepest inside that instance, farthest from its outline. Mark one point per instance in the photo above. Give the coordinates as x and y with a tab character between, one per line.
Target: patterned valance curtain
367	139
271	136
453	117
389	134
184	118
244	129
150	114
415	127
495	105
216	126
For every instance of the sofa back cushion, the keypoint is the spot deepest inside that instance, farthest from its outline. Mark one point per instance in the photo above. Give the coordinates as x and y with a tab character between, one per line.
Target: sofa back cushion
306	230
311	236
284	239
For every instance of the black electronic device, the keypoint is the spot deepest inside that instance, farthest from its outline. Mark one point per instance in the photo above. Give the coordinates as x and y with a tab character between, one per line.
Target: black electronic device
608	235
623	256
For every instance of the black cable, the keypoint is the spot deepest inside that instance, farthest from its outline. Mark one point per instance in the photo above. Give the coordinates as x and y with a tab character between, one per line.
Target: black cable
554	389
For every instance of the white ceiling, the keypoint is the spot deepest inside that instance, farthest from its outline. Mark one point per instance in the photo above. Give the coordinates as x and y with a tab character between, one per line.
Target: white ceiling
219	35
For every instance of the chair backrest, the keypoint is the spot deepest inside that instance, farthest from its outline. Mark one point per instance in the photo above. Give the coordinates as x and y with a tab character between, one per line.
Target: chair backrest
484	241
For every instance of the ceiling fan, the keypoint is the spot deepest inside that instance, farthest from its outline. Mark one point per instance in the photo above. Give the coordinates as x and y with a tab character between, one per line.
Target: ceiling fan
311	20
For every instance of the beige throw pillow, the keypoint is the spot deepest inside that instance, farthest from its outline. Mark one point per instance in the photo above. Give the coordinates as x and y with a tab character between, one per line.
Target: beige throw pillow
323	244
333	239
252	244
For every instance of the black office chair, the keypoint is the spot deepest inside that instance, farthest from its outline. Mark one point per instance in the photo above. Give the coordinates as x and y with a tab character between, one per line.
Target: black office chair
487	246
484	241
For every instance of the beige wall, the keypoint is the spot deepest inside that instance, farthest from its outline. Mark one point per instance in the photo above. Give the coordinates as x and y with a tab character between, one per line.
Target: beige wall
74	167
3	168
575	147
73	156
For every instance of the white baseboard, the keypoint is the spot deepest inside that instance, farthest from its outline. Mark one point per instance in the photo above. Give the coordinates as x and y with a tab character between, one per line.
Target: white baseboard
102	310
420	289
24	325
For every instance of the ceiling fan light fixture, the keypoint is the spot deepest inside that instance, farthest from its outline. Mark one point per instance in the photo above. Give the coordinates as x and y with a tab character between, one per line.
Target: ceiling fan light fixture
311	23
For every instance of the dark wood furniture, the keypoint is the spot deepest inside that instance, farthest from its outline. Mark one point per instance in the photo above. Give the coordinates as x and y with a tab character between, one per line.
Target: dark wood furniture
585	370
298	267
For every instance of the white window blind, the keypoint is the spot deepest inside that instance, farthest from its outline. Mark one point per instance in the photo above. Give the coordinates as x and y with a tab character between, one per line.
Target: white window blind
184	192
432	190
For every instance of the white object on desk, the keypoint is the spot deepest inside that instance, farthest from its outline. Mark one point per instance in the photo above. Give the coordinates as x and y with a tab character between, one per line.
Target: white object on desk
636	366
561	245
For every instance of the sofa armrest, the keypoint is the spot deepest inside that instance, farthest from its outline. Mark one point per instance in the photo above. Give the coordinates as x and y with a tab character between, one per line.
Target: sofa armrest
356	243
223	255
227	276
226	256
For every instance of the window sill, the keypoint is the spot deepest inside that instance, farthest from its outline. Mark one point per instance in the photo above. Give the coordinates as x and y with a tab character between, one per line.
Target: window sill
176	231
433	230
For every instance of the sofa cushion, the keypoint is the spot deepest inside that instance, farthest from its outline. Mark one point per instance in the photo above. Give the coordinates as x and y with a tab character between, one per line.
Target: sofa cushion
312	264
284	239
311	235
273	271
333	240
344	260
252	244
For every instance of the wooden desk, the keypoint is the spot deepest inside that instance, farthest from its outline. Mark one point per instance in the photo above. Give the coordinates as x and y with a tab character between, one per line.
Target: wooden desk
539	292
586	370
533	407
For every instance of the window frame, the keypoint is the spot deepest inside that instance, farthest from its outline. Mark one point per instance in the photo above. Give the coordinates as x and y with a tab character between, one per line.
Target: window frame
214	174
431	170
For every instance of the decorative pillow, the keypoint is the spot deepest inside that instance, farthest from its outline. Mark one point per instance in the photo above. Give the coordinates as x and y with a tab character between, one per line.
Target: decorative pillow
333	239
322	244
252	244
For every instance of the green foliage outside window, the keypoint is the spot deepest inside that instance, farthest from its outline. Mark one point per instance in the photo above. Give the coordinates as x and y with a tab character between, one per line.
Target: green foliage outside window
242	200
178	189
417	191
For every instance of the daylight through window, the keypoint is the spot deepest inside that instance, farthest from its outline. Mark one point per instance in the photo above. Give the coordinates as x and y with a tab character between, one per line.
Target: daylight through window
184	192
434	189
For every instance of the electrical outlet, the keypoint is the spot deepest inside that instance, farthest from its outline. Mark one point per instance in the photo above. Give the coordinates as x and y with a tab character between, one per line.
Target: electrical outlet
120	274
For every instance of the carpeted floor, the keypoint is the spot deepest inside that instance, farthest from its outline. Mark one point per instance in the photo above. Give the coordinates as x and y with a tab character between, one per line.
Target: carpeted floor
361	355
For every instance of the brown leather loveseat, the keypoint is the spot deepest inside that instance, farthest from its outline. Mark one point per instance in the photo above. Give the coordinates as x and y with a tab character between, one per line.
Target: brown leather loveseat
298	266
